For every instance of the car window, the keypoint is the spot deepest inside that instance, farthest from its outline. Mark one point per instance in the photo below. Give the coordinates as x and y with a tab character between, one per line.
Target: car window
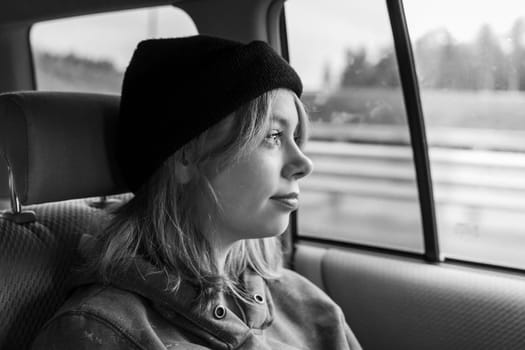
89	53
471	72
363	187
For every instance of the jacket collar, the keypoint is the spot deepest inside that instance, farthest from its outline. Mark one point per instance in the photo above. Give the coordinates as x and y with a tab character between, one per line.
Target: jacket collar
180	307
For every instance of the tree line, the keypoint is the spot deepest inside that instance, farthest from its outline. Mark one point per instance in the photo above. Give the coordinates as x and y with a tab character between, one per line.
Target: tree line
442	62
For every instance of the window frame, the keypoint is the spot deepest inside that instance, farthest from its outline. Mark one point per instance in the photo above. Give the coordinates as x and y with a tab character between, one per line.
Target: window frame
418	138
416	125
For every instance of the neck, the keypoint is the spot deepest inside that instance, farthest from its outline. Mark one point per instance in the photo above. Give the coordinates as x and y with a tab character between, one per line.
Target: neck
222	249
221	242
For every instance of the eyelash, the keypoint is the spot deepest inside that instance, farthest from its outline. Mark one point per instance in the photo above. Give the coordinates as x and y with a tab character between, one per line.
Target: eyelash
274	138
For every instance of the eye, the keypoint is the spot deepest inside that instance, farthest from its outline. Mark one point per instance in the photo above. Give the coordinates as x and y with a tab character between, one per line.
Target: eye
274	137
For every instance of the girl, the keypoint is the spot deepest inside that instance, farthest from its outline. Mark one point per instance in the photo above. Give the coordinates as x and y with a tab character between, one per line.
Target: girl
210	137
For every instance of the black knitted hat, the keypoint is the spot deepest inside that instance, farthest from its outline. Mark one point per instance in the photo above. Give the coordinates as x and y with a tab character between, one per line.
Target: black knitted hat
174	89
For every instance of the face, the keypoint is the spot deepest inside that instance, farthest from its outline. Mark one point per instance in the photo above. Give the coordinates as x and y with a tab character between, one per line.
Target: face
258	193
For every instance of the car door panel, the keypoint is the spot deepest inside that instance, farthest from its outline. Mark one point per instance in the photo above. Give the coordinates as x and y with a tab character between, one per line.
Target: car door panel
404	303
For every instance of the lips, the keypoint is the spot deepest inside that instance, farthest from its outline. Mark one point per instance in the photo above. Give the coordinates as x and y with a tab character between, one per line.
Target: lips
289	201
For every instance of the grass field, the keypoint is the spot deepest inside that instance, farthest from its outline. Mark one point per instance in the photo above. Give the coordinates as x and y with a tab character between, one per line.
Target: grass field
63	73
503	110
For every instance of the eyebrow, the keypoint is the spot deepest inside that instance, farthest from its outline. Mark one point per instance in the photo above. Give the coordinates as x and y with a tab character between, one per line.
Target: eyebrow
283	121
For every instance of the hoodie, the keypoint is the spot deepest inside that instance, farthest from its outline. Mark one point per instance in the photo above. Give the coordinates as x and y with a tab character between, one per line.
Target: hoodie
137	311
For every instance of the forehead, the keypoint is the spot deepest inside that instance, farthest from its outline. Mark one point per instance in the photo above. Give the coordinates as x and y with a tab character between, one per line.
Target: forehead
284	109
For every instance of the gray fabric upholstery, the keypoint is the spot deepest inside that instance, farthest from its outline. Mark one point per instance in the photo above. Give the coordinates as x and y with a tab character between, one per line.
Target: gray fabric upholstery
60	144
4	188
35	260
60	147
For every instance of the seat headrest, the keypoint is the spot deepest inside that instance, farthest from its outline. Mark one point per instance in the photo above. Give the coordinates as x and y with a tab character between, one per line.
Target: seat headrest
60	146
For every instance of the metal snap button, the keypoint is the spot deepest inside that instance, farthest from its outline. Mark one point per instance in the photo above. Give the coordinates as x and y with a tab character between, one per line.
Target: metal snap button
258	298
219	312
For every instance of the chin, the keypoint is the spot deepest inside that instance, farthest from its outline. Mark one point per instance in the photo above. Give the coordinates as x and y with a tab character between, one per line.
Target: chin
264	227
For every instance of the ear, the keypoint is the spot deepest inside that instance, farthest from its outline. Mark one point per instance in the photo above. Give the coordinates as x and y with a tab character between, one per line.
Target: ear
183	172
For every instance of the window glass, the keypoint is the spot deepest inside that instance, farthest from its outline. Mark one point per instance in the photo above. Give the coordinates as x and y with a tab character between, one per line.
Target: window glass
363	187
470	61
90	53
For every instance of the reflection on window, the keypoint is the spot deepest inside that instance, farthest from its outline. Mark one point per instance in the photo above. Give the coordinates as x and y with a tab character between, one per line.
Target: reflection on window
363	187
90	53
470	60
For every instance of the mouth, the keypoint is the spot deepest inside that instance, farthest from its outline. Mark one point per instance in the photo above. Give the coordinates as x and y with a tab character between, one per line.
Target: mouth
289	201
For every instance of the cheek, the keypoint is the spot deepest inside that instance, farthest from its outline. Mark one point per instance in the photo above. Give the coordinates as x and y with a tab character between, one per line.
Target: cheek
247	183
244	192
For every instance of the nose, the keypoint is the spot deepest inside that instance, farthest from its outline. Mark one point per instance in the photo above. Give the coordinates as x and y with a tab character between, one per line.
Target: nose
298	165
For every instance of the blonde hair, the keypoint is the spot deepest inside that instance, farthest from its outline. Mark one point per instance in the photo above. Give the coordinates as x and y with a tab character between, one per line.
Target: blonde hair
158	224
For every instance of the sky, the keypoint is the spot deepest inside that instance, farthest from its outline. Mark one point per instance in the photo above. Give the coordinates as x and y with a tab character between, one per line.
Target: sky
110	36
462	17
319	32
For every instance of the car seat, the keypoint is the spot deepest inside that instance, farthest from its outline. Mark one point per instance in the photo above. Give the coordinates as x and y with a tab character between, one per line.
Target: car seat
4	188
58	148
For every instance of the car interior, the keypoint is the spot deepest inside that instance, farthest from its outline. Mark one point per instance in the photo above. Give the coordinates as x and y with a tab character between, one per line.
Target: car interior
58	180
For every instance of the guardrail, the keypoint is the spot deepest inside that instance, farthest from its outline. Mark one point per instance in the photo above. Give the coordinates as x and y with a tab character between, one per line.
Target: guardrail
444	137
472	178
